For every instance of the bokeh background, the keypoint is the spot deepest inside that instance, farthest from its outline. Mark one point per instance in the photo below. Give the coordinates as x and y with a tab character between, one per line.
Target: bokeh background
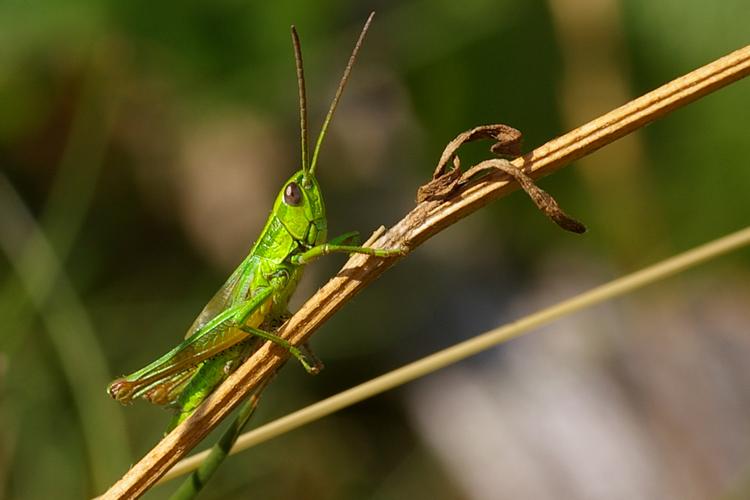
142	144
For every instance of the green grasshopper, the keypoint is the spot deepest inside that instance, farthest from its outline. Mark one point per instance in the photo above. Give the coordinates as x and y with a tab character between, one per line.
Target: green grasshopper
253	302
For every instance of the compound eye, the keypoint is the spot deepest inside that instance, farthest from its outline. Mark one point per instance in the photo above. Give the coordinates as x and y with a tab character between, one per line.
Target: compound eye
292	194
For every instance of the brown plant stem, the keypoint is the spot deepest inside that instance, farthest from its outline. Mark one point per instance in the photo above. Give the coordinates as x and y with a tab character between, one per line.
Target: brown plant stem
425	220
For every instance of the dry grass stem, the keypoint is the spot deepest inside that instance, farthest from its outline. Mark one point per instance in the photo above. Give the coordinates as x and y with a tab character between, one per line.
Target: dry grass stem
477	344
425	220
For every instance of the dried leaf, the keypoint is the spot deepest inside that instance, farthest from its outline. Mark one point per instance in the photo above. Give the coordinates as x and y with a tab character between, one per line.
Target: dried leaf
445	181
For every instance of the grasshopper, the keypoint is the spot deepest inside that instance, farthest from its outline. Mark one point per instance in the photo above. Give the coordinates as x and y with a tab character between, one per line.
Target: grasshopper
253	302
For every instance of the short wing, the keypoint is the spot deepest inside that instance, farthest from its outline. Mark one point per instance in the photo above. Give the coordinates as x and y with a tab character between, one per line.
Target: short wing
224	298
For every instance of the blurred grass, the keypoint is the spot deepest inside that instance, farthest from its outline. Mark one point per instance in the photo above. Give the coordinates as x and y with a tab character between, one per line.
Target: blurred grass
205	129
41	288
78	350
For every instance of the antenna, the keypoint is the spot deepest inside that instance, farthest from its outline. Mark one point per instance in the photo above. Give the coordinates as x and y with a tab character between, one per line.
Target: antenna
339	91
302	96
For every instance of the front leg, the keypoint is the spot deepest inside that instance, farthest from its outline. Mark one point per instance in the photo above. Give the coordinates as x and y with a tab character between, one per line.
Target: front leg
333	247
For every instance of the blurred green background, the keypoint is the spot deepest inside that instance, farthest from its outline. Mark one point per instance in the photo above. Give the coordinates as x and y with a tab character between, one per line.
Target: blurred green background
141	147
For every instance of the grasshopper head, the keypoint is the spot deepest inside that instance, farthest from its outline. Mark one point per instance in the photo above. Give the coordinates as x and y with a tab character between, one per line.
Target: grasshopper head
299	205
300	208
